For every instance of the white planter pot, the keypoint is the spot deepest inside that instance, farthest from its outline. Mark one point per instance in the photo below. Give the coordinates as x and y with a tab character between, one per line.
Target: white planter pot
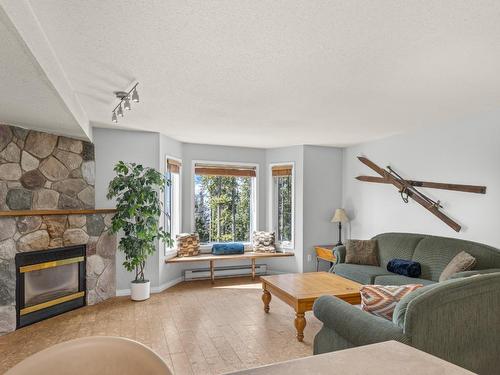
140	291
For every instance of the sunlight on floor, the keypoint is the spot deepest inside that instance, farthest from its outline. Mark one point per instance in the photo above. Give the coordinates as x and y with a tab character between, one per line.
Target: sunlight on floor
240	286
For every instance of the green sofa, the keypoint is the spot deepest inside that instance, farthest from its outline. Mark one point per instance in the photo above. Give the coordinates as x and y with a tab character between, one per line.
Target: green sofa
433	253
457	320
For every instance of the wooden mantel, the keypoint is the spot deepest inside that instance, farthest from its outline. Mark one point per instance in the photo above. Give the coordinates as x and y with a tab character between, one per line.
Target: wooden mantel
56	212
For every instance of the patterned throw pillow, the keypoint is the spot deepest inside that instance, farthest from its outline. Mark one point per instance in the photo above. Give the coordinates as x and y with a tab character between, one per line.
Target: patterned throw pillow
381	300
263	242
188	244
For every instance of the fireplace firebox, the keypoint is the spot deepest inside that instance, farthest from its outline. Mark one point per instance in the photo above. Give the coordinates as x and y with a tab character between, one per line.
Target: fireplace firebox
49	282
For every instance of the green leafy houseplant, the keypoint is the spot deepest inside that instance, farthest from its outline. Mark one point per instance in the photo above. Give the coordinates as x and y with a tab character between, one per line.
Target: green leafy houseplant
138	209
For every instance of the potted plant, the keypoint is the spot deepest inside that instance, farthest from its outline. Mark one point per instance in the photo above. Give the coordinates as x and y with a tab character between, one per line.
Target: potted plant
138	209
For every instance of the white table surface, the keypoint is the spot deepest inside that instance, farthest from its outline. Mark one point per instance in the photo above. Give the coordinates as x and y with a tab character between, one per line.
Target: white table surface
384	358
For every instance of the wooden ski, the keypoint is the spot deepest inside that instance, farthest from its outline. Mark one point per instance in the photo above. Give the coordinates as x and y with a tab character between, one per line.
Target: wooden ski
431	185
404	187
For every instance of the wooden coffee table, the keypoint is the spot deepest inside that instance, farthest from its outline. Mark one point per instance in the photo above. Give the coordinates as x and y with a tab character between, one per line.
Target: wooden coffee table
300	290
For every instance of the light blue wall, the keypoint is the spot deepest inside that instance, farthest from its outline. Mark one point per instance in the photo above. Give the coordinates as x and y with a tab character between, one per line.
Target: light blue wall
464	152
313	202
322	195
325	180
112	146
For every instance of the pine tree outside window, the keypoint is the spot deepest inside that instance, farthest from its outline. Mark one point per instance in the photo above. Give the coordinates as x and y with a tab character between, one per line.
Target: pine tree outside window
224	202
282	204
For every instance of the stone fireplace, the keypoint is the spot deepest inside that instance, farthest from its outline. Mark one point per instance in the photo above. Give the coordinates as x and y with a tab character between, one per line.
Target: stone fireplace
47	202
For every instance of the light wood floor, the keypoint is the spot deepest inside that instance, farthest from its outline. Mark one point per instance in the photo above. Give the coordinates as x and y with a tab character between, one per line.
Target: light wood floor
198	328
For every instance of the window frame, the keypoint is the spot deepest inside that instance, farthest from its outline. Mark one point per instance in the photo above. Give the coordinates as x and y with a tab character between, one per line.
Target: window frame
171	250
273	198
254	198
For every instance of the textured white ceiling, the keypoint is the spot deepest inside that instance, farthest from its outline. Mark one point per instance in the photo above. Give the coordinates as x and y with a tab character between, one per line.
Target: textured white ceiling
276	73
27	97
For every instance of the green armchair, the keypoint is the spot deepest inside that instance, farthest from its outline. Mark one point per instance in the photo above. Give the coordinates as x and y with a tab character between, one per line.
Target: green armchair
456	320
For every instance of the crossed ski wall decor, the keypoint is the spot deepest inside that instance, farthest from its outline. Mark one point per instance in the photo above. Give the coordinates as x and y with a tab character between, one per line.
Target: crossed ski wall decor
407	189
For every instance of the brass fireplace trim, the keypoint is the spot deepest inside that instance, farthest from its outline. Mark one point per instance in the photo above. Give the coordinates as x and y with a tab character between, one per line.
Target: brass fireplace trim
45	265
50	303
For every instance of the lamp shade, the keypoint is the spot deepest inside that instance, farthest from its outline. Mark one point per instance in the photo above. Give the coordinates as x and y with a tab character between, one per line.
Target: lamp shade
340	216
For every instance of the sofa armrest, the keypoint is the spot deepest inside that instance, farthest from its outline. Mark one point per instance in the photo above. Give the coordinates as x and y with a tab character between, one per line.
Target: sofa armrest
456	316
357	326
339	252
459	275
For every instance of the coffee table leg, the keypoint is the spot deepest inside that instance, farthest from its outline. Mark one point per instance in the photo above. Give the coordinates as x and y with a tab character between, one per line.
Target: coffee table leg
266	298
300	324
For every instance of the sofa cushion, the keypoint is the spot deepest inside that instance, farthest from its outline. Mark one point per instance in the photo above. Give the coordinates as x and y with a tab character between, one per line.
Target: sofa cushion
362	252
434	254
394	279
460	263
396	245
381	300
398	316
360	273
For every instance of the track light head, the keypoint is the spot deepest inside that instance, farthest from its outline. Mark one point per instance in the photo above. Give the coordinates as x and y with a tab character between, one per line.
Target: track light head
114	118
119	111
126	104
135	96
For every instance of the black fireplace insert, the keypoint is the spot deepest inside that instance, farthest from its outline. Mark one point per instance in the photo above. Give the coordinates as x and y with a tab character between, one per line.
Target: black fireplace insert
49	282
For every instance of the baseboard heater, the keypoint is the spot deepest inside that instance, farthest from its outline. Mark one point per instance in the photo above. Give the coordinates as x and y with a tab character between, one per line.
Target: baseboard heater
227	271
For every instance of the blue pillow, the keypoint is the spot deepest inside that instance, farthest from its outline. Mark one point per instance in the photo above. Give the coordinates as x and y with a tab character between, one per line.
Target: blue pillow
404	267
228	248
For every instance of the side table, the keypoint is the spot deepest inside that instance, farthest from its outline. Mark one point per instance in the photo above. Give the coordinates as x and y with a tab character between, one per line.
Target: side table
324	253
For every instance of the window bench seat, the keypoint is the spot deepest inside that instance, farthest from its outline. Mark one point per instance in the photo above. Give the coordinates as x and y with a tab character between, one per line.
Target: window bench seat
213	258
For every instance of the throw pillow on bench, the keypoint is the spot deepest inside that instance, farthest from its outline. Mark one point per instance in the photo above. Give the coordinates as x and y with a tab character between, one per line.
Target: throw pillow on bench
228	248
263	242
188	244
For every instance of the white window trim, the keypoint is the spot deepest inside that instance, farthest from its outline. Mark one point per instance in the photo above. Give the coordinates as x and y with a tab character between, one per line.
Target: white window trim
171	252
271	202
254	197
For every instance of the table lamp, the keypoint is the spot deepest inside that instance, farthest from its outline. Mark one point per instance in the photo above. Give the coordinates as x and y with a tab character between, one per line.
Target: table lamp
340	217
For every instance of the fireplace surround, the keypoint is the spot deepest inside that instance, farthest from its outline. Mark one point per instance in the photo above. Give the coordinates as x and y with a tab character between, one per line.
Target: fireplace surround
47	201
49	282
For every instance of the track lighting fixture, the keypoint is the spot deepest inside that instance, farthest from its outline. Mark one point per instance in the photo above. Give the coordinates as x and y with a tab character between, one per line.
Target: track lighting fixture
125	98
